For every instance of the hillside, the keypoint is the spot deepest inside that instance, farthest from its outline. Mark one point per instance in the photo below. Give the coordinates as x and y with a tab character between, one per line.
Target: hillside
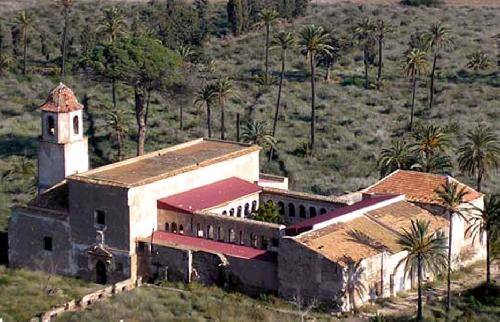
354	124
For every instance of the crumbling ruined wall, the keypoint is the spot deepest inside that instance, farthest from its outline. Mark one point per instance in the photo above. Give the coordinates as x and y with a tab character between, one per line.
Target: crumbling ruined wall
27	230
254	276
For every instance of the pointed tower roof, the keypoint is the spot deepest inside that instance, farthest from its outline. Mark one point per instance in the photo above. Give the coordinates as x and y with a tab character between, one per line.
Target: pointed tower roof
61	100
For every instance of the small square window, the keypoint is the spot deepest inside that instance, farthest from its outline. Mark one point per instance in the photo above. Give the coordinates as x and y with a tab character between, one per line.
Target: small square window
141	247
47	243
100	217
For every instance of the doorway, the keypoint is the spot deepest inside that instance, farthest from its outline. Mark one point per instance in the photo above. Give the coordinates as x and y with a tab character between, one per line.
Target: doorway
100	273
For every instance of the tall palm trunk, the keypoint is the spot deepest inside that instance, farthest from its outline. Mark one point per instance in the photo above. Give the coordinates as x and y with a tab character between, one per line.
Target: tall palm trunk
113	91
119	139
25	53
448	277
380	61
63	45
313	98
266	67
280	86
365	61
488	260
140	115
209	117
480	175
431	94
420	316
222	118
328	72
414	89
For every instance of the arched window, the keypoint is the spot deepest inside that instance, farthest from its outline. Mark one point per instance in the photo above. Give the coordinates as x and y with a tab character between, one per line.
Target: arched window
247	209
291	210
199	231
302	211
254	206
231	212
281	207
322	211
312	212
210	232
224	212
174	227
232	236
167	228
181	229
219	234
263	242
241	238
76	125
51	125
238	213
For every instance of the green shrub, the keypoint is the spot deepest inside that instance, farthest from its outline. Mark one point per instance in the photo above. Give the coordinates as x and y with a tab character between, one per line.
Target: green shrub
429	3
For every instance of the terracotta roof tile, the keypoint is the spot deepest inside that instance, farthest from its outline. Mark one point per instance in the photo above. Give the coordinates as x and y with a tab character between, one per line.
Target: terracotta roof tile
61	100
374	232
417	186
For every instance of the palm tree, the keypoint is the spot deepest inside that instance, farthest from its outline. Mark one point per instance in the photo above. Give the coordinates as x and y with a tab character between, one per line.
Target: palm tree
480	154
206	95
268	17
66	8
112	24
314	40
5	62
486	221
434	163
116	120
284	41
478	60
381	28
416	65
426	252
223	89
397	156
186	52
438	37
328	58
255	132
364	34
431	139
25	21
451	195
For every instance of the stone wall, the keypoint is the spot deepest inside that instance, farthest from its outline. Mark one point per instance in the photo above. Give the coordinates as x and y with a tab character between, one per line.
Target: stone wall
223	228
254	276
28	229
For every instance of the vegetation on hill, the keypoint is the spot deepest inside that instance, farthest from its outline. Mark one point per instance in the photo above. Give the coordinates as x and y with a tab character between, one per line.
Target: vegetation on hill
354	120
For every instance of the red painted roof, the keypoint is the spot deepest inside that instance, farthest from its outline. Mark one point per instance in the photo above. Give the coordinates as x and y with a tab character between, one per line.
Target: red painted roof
309	223
209	196
245	252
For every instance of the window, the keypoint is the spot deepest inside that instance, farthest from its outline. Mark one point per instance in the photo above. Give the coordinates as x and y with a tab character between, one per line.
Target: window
281	207
76	125
232	237
247	209
219	234
231	212
263	242
199	231
174	227
291	210
238	214
312	212
167	228
47	243
322	211
302	211
141	247
100	217
51	125
181	229
210	232
224	213
254	206
241	238
253	240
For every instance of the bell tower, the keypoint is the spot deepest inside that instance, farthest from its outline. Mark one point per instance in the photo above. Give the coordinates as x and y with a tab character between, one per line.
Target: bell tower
63	150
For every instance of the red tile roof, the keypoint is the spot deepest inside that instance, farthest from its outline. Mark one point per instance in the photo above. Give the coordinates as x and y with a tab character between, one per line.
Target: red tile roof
308	224
417	186
61	100
209	196
245	252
